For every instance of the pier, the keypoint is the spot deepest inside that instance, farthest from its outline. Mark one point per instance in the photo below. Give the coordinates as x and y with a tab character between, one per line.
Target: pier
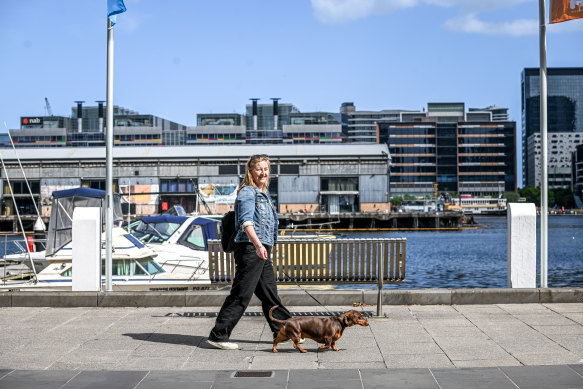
373	220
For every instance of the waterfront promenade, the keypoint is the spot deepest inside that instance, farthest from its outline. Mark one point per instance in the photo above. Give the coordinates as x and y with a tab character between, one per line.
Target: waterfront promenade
481	345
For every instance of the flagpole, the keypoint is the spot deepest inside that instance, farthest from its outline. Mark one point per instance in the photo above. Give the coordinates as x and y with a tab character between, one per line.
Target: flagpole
544	148
109	158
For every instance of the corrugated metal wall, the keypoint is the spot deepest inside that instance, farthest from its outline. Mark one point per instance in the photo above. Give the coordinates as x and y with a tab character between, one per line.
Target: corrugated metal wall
298	189
373	189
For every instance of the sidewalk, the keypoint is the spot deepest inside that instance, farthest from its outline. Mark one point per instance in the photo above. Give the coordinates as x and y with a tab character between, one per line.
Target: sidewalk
469	346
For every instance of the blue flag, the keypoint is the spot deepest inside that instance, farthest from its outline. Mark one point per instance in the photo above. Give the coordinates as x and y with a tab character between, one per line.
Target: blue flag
114	7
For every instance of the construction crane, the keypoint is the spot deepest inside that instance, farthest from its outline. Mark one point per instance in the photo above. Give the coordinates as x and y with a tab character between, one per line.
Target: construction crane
48	107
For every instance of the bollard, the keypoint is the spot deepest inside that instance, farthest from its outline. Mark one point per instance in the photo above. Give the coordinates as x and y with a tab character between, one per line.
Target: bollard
521	219
87	249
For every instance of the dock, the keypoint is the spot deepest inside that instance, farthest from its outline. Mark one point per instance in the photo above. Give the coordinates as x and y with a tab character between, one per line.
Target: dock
374	220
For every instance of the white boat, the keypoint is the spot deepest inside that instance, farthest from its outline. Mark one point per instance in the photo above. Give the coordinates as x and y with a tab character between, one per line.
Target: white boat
482	205
179	241
134	265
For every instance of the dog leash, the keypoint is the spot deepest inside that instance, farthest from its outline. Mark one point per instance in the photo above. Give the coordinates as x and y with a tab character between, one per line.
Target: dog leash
308	293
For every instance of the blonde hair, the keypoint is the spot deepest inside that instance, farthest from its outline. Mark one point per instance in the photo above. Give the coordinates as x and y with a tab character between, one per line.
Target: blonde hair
249	166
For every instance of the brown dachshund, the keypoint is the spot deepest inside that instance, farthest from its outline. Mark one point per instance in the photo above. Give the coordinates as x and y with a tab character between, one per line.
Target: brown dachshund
325	330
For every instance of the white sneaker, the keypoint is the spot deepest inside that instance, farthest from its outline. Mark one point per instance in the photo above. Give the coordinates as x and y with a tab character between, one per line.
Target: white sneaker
223	345
289	341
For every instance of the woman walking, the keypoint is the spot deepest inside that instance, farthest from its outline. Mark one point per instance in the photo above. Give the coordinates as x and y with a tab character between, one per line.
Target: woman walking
256	223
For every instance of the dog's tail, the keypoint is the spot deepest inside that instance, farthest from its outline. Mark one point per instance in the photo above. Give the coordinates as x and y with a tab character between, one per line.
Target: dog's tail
273	318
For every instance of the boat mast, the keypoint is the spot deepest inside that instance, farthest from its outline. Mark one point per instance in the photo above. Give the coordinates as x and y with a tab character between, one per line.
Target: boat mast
18	216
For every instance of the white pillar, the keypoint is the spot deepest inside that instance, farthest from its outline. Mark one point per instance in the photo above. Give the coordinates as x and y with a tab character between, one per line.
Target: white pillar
87	249
521	245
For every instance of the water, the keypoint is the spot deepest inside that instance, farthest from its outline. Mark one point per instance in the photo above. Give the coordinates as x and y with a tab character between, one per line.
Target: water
477	258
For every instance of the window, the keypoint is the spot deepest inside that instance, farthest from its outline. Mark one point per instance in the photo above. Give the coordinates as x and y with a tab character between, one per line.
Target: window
228	169
195	238
289	169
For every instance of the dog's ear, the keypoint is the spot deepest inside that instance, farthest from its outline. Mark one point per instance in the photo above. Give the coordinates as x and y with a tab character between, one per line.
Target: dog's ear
348	318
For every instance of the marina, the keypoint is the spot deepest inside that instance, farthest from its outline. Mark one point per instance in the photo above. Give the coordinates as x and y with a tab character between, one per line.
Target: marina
471	257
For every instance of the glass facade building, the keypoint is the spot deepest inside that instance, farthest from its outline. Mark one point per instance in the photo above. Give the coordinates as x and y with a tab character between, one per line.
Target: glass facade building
467	157
564	111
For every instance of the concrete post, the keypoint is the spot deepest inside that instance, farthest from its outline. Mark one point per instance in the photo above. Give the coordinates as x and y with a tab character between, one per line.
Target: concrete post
87	249
521	245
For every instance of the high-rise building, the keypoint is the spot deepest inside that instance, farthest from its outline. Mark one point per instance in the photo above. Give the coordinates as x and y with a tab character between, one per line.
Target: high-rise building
463	152
565	116
577	174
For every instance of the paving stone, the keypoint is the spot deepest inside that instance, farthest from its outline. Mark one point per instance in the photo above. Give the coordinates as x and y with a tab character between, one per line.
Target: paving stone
398	378
178	379
564	307
105	379
487	362
533	377
307	376
352	355
557	358
552	330
278	363
410	348
577	368
4	372
28	379
545	320
475	378
417	361
351	365
226	379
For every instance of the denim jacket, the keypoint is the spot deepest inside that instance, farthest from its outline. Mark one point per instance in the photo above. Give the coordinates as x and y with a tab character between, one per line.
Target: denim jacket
253	207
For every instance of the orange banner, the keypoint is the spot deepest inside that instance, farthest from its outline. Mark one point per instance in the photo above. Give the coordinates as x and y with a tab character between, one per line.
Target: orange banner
563	10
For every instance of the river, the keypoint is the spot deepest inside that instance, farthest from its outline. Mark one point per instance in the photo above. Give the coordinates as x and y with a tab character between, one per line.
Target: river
477	258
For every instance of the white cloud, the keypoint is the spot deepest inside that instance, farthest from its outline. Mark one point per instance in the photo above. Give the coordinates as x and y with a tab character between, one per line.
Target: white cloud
470	19
478	6
338	11
469	23
576	25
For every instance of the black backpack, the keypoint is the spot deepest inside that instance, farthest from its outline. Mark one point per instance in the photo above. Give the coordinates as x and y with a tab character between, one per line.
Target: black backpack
228	232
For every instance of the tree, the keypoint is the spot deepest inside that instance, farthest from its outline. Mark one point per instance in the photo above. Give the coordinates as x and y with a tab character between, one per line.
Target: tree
511	197
564	198
531	194
397	201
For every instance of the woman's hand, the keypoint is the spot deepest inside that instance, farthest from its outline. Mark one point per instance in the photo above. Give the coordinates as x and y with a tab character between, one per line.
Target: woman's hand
261	252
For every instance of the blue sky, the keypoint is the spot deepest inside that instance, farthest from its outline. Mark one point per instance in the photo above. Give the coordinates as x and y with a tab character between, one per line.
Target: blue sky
178	58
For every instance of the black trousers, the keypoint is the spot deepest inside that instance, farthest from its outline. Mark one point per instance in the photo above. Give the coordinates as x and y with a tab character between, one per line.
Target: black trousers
252	275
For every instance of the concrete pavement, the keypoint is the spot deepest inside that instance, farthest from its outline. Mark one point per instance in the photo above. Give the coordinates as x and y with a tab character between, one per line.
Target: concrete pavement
514	345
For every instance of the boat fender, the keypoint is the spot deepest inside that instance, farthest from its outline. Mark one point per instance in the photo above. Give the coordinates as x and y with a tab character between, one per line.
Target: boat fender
30	243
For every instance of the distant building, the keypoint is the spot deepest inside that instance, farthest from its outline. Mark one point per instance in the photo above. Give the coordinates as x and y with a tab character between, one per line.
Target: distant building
450	150
577	174
273	123
333	179
361	126
217	128
86	127
497	114
565	118
560	148
312	127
